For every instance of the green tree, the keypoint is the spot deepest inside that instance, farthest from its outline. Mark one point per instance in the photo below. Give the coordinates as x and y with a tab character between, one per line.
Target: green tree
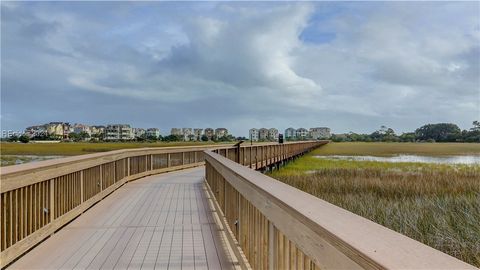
441	132
24	138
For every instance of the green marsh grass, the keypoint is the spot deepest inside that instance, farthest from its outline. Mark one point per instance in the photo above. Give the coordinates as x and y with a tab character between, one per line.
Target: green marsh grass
436	204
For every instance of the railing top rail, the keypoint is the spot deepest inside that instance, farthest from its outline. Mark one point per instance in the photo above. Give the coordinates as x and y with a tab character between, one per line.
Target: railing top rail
24	168
367	243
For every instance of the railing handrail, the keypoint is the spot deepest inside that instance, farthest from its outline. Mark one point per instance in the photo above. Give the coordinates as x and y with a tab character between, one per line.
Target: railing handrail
331	236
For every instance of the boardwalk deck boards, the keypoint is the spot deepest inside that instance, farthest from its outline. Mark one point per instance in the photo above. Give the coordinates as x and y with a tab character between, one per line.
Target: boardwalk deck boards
162	221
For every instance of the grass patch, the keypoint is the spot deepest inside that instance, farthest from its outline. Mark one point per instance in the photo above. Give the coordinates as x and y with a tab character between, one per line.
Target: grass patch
390	149
436	204
71	148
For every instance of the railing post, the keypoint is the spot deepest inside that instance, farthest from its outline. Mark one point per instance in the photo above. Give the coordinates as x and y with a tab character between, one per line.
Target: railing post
81	186
195	157
168	160
183	158
128	166
151	162
52	200
101	178
271	245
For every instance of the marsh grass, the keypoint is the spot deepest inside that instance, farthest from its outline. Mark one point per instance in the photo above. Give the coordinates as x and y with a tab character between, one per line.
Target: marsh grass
437	204
79	148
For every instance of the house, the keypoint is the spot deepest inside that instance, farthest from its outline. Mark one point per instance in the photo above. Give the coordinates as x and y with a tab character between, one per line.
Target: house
221	132
209	132
97	130
119	132
301	133
79	128
176	132
197	132
36	131
138	132
320	133
273	134
253	134
263	134
58	129
290	133
188	134
152	133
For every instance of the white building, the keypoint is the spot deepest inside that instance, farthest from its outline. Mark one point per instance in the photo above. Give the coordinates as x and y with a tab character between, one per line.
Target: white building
36	131
320	133
188	134
176	131
138	132
119	132
301	133
79	128
198	133
152	132
253	134
273	134
290	133
221	132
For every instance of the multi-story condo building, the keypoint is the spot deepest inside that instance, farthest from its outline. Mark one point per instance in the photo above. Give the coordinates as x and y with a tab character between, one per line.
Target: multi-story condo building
79	128
35	131
138	132
58	129
273	134
176	131
301	133
263	134
209	132
119	132
152	132
253	134
320	133
187	134
290	133
197	132
97	130
221	132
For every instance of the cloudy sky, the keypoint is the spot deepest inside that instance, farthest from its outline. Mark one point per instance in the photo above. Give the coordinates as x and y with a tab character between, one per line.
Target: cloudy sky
349	66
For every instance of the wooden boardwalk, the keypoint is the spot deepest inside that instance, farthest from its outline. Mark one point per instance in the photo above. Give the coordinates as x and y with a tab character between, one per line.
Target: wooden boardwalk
164	221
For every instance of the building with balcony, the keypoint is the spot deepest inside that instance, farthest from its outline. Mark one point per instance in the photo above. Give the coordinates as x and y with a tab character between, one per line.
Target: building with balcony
197	132
253	134
188	134
221	132
152	133
79	128
209	132
176	132
301	133
263	134
320	133
273	134
119	132
290	133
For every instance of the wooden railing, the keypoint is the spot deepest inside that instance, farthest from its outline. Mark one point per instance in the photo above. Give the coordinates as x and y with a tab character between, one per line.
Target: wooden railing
39	198
276	226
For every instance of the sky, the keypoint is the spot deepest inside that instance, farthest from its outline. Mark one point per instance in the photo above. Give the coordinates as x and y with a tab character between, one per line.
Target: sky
350	66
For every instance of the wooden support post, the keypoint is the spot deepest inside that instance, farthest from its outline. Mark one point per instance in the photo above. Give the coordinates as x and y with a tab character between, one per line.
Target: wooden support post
81	185
52	200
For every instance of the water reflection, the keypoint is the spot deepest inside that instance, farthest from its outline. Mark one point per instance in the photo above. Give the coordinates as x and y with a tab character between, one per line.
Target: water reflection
411	158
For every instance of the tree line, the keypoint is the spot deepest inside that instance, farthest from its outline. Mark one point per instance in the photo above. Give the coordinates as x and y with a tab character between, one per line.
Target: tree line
441	132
